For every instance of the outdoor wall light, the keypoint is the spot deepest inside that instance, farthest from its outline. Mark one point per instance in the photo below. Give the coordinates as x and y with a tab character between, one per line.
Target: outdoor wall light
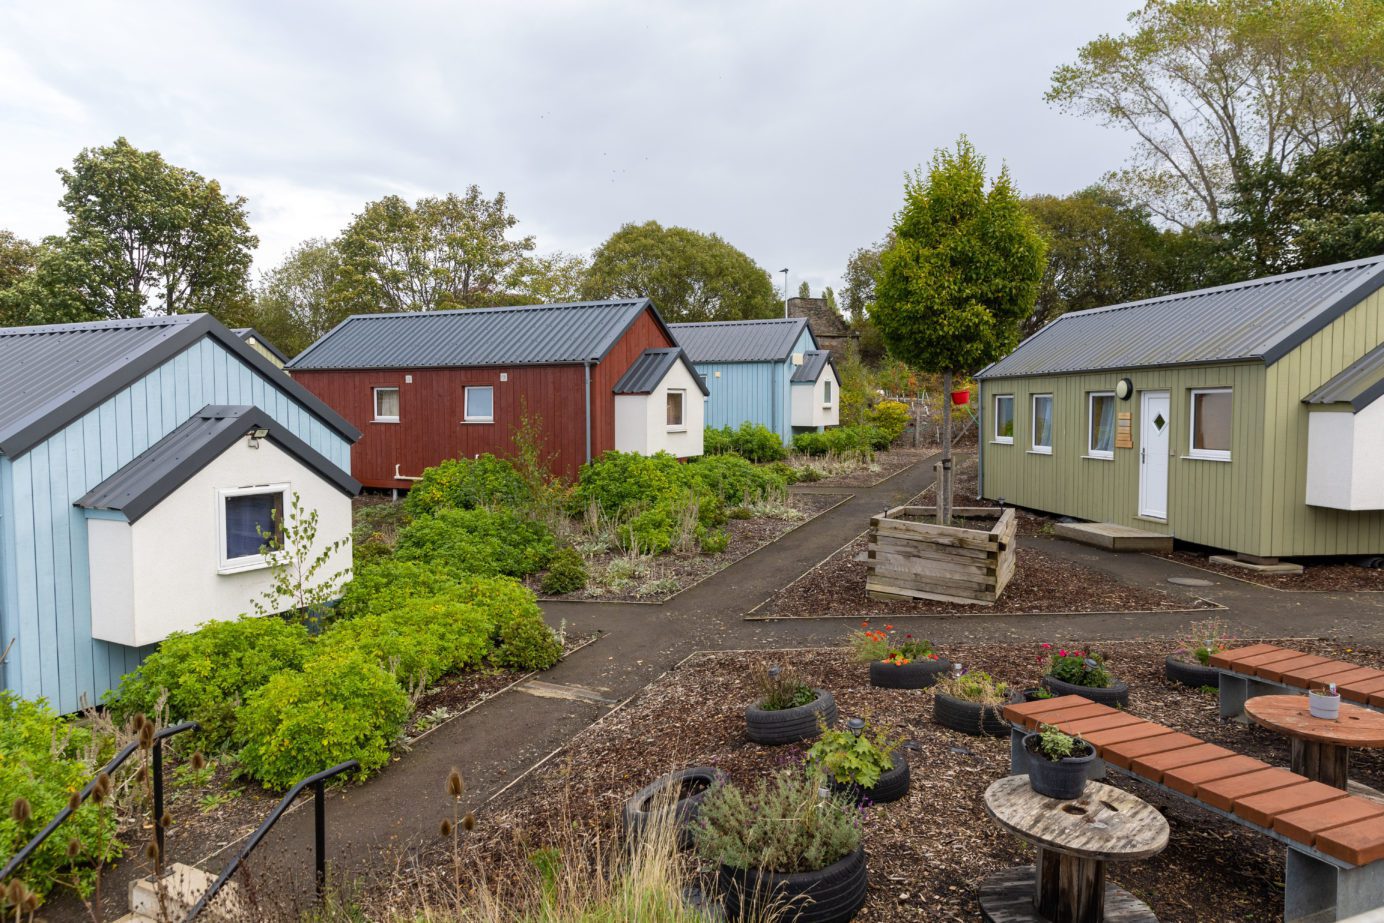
256	435
1124	389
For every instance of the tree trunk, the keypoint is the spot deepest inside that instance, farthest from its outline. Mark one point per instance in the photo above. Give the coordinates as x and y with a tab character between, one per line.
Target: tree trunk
944	489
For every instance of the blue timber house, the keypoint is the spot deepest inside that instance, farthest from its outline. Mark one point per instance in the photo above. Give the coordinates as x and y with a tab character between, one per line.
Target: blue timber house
768	372
137	458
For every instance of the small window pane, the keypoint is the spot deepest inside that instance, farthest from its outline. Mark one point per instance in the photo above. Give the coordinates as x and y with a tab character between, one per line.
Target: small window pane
1211	421
247	516
1042	421
387	403
1004	417
826	392
675	408
1103	423
480	403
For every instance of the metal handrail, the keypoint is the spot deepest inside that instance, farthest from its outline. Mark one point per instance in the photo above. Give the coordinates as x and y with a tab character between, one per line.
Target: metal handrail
318	783
116	762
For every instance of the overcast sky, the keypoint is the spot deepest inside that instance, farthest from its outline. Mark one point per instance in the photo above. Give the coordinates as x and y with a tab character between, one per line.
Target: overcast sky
786	127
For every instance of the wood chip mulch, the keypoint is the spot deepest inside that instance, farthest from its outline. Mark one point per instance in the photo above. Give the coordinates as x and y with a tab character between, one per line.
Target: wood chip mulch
1315	578
928	852
1041	584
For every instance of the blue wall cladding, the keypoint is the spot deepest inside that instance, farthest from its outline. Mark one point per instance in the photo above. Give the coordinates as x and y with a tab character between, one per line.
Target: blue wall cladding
45	591
753	392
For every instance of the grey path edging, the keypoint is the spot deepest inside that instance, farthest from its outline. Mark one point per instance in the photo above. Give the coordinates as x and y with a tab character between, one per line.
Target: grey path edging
1211	606
1256	583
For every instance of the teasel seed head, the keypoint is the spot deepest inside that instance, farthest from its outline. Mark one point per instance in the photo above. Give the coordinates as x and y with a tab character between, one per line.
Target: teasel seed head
455	786
446	827
199	762
21	810
74	801
468	823
74	848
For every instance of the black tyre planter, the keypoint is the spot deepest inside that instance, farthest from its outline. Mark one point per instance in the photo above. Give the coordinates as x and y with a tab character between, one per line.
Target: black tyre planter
691	786
1116	695
830	895
1191	674
970	717
1063	779
1031	695
891	785
919	674
790	725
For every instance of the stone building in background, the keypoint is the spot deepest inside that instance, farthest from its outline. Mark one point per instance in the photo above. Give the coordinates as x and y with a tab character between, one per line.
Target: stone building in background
828	326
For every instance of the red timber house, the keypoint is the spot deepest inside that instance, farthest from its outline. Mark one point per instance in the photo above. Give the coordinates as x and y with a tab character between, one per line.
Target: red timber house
431	385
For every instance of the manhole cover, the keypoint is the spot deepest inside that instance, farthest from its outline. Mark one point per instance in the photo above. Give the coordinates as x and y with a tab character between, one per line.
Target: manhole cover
1190	581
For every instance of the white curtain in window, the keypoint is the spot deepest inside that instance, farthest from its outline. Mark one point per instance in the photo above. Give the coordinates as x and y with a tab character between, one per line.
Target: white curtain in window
1042	422
387	402
1103	423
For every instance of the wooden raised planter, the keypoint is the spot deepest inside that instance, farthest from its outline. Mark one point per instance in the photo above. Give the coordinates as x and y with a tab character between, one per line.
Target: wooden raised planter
912	558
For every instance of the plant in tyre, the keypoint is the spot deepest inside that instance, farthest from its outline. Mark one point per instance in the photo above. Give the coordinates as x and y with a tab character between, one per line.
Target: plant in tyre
886	645
782	824
779	689
976	686
851	758
301	572
1204	640
1079	667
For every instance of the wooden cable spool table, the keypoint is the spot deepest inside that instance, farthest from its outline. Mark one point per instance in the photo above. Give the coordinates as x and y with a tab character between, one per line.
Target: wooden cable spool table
1320	746
1075	840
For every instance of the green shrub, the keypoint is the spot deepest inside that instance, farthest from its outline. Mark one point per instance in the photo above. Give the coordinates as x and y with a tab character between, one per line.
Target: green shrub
425	638
477	542
467	483
527	644
715	542
209	672
891	418
746	829
734	481
851	758
524	641
623	483
757	443
566	573
341	706
810	443
718	441
41	762
379	522
659	503
385	585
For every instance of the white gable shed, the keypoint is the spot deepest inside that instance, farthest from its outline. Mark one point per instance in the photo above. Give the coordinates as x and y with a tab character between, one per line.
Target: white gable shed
660	405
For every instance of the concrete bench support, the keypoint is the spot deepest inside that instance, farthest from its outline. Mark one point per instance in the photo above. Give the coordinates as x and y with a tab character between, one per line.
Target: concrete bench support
1237	689
1318	890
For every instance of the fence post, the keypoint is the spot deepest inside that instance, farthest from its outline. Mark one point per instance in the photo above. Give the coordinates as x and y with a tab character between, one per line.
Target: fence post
158	803
319	805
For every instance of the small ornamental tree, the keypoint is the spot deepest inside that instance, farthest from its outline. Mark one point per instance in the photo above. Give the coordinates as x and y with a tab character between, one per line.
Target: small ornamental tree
301	572
959	277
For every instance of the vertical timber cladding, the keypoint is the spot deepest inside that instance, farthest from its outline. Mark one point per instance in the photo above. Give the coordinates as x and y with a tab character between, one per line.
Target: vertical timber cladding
911	557
1219	504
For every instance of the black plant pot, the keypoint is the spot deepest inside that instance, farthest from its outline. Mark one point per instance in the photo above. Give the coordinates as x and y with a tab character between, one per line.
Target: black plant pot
830	895
969	717
790	725
1031	695
1063	779
919	674
891	785
1191	674
691	786
1115	695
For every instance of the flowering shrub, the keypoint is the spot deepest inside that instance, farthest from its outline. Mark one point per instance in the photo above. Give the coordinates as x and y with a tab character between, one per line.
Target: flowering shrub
869	644
1078	667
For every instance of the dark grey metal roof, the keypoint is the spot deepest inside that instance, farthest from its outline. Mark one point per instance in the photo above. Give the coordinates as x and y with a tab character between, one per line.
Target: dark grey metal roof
545	334
814	360
650	368
740	340
251	335
1360	384
166	465
1261	320
51	375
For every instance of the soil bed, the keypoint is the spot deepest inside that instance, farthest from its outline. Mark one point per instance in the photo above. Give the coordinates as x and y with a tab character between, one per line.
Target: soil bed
929	851
886	465
1315	578
1042	583
965	487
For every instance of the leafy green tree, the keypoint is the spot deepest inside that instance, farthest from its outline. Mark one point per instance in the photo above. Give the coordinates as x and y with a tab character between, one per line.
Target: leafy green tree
293	302
143	237
690	276
1210	88
829	297
861	270
1338	196
804	290
18	257
549	279
451	252
960	277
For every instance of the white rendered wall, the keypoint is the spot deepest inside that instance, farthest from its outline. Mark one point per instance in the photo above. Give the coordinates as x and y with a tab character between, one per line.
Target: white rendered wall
174	549
810	407
1343	458
641	420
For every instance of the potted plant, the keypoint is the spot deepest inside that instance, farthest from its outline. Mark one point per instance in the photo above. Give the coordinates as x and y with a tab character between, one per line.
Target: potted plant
786	848
971	702
1324	703
1057	763
896	662
1190	663
1032	694
860	765
1081	672
680	792
787	708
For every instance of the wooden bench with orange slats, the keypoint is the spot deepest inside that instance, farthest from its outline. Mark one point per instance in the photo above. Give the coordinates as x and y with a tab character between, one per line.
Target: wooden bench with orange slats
1335	840
1268	669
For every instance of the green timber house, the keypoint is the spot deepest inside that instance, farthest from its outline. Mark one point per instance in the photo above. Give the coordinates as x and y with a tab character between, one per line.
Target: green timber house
1248	417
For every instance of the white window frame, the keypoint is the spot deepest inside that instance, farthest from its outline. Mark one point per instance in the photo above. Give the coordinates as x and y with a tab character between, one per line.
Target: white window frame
247	562
1033	425
1207	454
375	392
680	427
466	416
1091	450
826	393
995	430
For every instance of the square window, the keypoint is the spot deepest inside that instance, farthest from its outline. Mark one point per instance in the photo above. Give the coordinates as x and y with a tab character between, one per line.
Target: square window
1211	424
675	402
480	405
1042	423
1004	418
386	405
250	518
1101	435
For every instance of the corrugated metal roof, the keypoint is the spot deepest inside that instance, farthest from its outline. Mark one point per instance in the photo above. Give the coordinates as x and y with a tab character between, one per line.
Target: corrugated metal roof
1360	384
52	374
650	369
740	340
814	360
548	334
253	336
166	465
1263	319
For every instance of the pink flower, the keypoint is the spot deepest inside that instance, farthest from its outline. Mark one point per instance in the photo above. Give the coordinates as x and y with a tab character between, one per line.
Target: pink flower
1046	646
1062	653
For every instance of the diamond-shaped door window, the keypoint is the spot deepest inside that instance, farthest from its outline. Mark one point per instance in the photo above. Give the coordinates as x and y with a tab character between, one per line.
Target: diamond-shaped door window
1159	422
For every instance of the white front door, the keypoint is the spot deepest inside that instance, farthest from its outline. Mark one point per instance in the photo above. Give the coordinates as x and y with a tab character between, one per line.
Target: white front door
1154	426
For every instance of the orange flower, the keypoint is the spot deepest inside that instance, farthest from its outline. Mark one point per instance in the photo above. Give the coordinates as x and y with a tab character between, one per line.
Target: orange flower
888	627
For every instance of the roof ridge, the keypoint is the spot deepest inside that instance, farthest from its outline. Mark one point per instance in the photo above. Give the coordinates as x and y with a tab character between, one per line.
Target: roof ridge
496	309
113	323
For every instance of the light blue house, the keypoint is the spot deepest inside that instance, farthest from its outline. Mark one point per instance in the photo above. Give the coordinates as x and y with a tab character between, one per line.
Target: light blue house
137	458
763	371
